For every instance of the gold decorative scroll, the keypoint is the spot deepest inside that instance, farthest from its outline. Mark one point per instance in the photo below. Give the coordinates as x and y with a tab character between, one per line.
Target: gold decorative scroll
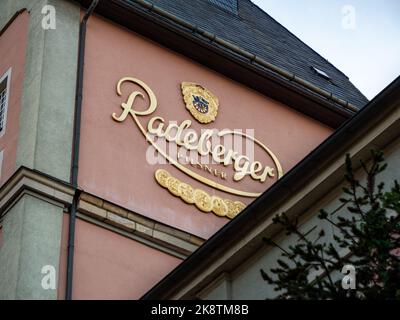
200	198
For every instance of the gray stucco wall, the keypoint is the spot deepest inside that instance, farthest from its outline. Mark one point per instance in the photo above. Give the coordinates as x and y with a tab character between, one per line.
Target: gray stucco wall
31	240
246	282
47	110
10	250
32	227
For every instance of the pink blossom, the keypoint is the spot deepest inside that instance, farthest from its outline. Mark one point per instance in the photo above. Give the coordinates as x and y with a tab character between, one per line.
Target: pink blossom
395	252
395	235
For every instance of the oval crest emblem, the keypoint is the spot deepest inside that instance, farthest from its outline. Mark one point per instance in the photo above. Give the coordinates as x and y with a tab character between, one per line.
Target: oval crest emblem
201	102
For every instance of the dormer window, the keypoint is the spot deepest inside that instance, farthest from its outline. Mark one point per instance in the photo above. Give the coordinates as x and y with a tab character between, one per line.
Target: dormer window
321	73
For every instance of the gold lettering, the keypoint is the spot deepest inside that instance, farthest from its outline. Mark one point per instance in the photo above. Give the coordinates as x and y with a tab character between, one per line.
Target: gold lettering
191	141
223	175
271	171
204	145
159	130
207	168
184	125
242	169
256	167
230	155
218	152
167	132
128	106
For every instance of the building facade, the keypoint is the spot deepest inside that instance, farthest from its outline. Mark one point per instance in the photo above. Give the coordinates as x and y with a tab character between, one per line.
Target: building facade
133	131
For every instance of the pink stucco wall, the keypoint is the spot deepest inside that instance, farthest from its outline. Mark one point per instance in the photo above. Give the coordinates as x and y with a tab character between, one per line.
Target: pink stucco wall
113	155
12	52
110	266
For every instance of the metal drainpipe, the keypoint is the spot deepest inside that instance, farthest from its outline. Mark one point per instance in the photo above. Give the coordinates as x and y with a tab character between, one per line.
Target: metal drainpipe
75	147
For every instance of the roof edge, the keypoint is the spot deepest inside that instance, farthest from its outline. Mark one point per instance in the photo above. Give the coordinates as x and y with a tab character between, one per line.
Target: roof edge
148	20
246	54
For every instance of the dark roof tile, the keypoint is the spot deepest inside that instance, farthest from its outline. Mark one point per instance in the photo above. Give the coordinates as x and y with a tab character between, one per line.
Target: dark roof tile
255	31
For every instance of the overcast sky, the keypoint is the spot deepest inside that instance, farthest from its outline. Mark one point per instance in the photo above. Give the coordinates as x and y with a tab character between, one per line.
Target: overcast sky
360	37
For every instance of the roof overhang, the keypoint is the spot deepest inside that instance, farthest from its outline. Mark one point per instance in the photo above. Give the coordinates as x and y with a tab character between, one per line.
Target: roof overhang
226	59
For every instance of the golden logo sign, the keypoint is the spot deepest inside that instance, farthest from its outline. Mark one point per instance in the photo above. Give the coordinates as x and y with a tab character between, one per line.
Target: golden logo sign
202	103
183	136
